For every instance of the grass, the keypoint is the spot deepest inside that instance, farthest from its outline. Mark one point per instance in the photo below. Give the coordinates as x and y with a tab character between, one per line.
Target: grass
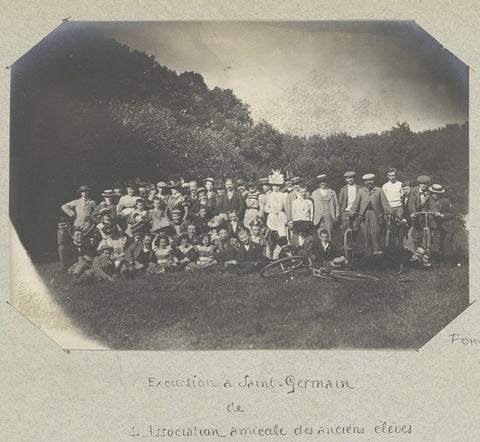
217	310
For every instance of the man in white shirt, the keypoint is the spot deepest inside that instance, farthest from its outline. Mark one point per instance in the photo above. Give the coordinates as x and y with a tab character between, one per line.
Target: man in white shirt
393	191
346	197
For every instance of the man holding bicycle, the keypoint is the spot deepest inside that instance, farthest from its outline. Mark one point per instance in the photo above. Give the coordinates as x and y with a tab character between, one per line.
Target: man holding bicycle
419	201
346	197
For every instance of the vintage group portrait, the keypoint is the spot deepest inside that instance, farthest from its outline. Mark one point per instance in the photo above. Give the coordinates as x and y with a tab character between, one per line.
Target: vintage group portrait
241	185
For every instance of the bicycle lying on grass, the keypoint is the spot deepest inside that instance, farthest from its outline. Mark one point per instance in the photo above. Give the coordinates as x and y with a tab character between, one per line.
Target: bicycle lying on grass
289	264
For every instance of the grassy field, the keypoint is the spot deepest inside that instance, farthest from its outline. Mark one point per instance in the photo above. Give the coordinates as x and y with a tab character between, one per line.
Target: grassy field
214	309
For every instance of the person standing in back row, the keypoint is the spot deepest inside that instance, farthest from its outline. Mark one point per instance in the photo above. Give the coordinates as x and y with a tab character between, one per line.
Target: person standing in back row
393	192
325	205
371	203
346	197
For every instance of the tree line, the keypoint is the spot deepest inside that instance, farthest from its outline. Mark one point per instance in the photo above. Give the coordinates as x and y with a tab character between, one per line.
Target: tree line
86	109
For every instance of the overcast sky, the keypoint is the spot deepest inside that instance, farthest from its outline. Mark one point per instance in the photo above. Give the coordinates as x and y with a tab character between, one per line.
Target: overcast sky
316	77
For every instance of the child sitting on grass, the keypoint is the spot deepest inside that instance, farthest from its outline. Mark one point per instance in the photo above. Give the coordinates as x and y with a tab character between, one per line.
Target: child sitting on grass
164	253
223	245
205	249
185	254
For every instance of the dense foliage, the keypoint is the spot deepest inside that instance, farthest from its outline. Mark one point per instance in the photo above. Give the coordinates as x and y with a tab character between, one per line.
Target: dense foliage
86	109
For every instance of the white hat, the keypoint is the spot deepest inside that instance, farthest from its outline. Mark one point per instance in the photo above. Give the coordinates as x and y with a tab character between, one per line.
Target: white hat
368	176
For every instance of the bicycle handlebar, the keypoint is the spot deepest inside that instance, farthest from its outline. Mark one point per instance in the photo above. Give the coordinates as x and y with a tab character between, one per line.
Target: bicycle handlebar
349	213
425	213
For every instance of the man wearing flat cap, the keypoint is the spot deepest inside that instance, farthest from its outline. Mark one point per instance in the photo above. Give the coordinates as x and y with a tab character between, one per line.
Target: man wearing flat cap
325	206
346	197
371	203
419	201
81	209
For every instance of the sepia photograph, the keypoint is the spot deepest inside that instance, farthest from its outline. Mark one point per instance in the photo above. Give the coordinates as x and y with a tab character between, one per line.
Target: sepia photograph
226	185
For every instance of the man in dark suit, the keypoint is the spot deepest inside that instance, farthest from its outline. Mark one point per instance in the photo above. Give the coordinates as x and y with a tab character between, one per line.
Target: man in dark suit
139	256
371	203
248	255
326	250
231	200
233	224
76	253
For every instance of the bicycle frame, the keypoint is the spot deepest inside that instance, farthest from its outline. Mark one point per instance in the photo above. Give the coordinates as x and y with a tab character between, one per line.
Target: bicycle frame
348	235
427	234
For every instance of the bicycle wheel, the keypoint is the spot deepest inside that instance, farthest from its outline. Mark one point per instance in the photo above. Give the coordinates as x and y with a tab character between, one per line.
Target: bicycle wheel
348	245
351	276
282	266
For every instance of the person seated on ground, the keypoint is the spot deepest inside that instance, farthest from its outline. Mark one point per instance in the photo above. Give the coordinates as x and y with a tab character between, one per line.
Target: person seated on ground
164	253
306	244
201	221
192	233
76	253
103	267
156	215
274	246
137	234
326	250
233	224
126	203
248	257
205	249
178	224
81	209
257	231
214	224
185	255
224	246
116	239
395	258
140	258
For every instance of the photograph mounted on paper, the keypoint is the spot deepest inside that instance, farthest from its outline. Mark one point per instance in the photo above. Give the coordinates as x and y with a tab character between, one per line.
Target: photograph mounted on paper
240	185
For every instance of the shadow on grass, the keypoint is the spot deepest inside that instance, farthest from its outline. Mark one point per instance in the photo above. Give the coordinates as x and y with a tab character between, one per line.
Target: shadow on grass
217	310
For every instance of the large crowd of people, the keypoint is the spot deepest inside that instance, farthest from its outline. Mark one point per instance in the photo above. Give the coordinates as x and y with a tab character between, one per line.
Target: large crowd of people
178	226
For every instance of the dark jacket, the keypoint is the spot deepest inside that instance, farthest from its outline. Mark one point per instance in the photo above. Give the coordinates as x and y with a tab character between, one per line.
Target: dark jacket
253	254
343	197
237	203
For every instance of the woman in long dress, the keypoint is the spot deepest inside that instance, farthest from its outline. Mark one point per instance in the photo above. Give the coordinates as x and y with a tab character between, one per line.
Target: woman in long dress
275	206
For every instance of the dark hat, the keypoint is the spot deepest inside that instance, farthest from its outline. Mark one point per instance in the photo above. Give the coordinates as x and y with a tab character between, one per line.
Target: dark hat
424	179
139	200
436	188
349	174
251	183
83	188
108	193
174	184
117	184
104	211
240	182
201	190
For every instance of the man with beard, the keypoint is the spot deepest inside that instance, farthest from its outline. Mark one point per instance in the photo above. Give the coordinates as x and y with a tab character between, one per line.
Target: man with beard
232	199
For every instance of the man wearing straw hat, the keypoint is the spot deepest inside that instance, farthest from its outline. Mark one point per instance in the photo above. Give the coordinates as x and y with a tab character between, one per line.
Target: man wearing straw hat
444	226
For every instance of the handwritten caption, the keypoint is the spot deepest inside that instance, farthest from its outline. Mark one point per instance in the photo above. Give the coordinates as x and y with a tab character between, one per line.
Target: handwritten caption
288	385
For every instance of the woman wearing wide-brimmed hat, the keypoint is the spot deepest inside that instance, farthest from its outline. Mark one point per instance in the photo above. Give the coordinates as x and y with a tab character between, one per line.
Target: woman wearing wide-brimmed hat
81	209
275	205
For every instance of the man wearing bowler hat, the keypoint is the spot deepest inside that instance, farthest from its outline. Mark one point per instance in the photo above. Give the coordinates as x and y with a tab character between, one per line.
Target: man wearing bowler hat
325	206
81	209
371	203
